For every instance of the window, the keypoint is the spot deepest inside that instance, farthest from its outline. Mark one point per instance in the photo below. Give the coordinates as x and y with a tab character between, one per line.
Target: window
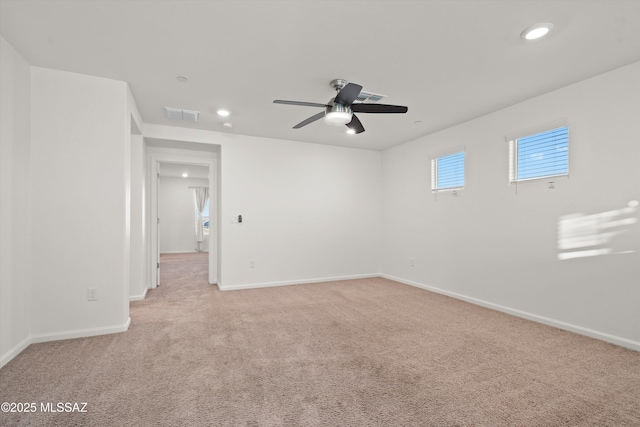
447	172
539	155
205	217
199	193
205	211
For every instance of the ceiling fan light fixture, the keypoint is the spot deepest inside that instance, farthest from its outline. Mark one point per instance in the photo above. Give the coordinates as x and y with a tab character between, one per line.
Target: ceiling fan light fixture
337	118
337	114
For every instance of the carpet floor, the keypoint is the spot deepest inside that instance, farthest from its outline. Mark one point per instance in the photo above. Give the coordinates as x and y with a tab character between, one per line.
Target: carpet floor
369	352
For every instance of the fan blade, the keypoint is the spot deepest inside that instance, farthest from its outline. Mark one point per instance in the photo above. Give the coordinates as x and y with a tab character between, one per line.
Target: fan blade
309	120
348	94
355	124
304	104
378	108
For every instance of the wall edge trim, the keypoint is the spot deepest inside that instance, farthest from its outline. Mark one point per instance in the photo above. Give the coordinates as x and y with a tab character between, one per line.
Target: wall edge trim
295	282
81	333
603	336
183	252
13	352
139	297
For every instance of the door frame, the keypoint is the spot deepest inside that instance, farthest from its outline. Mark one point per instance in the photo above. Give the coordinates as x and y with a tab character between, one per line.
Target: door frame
214	240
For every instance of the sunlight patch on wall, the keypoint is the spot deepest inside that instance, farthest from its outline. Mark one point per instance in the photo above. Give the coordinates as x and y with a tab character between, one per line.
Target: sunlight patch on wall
581	235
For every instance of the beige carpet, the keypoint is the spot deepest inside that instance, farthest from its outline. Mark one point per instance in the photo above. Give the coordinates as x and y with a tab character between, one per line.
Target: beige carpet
354	353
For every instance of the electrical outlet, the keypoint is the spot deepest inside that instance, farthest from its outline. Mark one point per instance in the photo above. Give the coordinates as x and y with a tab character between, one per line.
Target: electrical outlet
412	262
92	294
252	263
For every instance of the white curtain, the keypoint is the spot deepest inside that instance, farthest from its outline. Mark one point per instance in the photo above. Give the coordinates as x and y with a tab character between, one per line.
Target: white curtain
202	194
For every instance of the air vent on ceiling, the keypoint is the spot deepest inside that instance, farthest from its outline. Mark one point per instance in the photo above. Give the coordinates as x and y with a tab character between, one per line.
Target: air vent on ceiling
181	114
190	115
369	97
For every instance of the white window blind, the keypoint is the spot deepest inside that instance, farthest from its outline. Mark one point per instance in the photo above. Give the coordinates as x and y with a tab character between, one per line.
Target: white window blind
447	172
540	155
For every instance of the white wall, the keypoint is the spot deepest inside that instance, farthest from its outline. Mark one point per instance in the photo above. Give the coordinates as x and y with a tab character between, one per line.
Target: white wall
80	128
139	280
176	207
311	212
15	202
499	248
135	185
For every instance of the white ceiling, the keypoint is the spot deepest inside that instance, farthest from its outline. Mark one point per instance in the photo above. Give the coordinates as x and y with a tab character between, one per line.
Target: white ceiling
448	61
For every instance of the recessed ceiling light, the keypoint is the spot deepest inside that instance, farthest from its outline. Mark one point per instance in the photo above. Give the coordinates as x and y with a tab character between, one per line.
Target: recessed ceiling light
185	175
181	79
223	113
351	131
227	125
537	31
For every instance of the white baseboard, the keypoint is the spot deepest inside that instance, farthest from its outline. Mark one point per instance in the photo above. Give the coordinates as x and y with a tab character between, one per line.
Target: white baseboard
184	252
80	333
603	336
17	349
294	282
139	297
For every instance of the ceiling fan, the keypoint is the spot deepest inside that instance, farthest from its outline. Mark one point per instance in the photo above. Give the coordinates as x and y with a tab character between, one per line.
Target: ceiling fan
339	110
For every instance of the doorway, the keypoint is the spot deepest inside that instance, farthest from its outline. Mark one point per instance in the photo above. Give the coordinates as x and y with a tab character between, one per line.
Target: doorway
184	213
203	169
